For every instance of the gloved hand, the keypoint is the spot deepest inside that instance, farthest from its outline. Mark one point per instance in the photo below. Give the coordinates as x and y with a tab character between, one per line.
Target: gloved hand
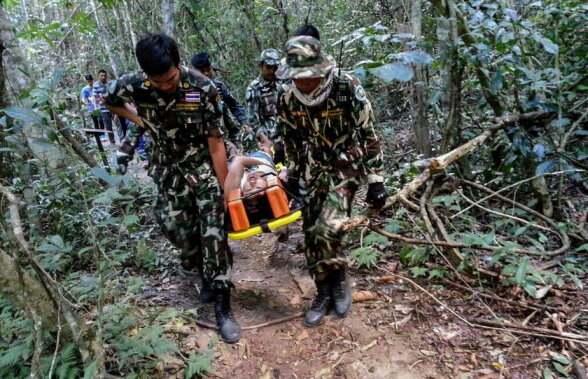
122	162
377	195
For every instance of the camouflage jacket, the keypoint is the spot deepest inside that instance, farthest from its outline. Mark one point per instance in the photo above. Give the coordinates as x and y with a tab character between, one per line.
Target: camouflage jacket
178	124
333	142
262	98
231	102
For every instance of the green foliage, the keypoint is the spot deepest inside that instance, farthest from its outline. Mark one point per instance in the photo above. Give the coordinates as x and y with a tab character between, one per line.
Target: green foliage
67	362
365	256
16	343
412	256
198	364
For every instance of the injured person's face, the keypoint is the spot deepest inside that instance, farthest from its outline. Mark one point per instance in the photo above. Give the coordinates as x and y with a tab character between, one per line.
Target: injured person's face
255	181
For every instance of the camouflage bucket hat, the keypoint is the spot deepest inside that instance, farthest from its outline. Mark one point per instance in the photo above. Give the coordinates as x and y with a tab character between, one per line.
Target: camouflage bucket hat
304	59
270	57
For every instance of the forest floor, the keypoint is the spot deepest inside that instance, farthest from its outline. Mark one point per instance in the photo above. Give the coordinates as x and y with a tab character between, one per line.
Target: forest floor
402	332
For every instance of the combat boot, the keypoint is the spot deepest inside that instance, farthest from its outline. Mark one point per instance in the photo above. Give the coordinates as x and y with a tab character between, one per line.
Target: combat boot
340	292
206	292
320	305
230	330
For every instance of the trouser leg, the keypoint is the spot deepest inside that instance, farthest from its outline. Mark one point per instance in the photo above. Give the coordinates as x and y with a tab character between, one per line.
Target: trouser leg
175	213
107	118
216	254
100	124
324	217
192	218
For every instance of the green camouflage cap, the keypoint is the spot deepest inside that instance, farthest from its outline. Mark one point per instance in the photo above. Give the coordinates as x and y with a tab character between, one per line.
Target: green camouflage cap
270	57
304	59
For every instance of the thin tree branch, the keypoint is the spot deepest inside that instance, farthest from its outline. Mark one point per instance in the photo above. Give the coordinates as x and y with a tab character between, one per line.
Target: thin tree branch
441	162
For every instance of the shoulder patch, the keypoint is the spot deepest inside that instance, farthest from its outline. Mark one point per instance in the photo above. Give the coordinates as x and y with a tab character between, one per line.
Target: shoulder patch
186	85
360	94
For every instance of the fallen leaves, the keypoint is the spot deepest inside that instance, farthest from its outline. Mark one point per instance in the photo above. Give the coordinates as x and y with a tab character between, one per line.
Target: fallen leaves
362	296
386	279
302	336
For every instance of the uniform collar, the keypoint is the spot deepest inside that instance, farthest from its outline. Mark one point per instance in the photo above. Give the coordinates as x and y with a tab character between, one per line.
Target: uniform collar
184	77
264	81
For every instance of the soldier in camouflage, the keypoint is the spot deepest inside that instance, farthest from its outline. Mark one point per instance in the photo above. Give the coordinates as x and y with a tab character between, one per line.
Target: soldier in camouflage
326	123
234	116
262	97
180	110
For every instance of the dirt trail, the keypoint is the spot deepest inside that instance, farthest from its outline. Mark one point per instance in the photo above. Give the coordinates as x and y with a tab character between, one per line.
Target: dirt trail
271	282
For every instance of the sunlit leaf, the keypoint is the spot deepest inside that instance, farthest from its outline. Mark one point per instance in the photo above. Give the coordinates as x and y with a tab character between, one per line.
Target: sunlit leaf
26	115
545	167
393	71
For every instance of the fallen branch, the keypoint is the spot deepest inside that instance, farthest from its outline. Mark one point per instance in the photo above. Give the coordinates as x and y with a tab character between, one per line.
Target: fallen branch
440	163
460	245
537	332
511	186
563	236
209	325
536	307
578	338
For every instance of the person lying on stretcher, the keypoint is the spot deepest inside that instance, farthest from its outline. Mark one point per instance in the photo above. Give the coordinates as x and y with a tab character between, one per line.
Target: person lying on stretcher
253	179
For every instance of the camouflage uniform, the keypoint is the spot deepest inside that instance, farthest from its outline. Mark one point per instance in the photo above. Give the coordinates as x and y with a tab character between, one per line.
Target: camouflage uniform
331	149
262	98
234	116
188	201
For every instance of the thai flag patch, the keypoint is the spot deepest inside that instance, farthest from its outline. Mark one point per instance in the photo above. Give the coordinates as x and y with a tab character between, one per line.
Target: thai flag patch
192	97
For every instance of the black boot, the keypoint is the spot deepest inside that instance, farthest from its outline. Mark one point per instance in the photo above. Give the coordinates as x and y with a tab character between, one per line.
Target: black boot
320	305
230	331
206	292
340	292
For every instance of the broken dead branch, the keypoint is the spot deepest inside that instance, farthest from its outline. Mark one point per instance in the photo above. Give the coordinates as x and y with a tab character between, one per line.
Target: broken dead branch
209	325
543	332
441	162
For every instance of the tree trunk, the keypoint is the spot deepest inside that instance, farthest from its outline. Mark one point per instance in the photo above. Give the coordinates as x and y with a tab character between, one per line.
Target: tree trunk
448	8
169	22
454	75
105	39
422	141
279	5
14	67
245	7
33	292
127	16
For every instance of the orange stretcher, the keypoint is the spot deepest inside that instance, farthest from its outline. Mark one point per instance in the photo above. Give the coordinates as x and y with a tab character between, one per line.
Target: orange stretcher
285	209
